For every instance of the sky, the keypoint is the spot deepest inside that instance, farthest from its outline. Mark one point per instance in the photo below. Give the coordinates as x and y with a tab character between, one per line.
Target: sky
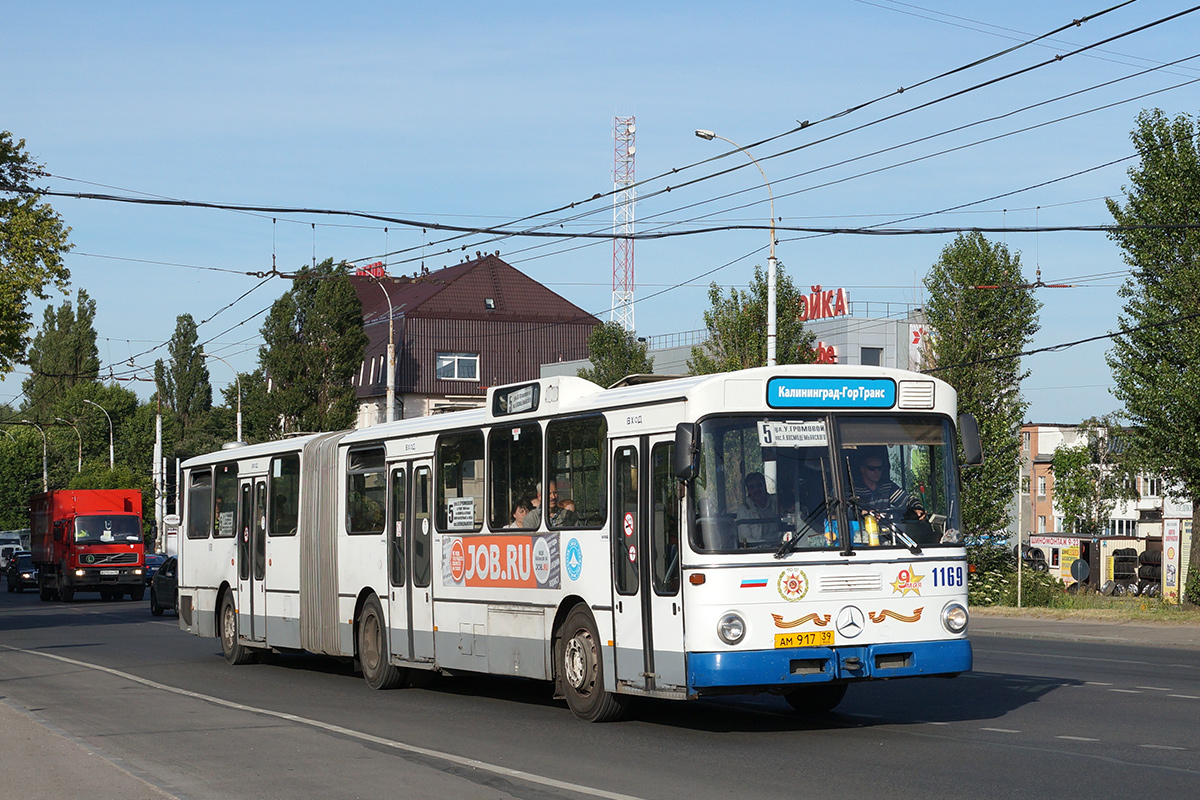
481	114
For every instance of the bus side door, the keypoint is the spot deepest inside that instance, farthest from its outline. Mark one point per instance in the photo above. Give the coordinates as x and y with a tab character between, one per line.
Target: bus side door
647	612
252	560
410	535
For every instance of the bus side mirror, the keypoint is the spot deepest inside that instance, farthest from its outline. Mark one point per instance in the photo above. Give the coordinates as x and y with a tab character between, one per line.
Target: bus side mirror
685	461
968	431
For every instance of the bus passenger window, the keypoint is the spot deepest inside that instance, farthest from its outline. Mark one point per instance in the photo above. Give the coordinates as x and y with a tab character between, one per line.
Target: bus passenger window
285	494
576	467
225	515
421	514
664	520
460	482
366	491
515	469
199	521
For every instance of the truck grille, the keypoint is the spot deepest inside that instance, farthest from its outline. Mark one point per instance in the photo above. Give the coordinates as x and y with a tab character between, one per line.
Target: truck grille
96	559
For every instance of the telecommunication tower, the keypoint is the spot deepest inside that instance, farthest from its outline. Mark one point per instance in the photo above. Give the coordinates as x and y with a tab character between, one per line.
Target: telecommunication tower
623	200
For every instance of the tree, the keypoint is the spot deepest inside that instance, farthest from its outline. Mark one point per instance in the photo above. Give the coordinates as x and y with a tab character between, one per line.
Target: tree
1156	364
33	240
63	353
975	333
1091	476
184	384
615	353
737	327
314	344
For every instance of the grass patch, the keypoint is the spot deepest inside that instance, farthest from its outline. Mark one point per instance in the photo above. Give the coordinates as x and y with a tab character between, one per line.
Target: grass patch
1098	608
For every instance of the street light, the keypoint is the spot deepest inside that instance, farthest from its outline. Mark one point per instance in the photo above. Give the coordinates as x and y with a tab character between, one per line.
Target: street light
78	464
110	432
237	378
45	470
771	264
391	355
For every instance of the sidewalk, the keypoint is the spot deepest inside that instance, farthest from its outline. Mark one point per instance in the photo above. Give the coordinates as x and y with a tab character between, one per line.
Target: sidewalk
1138	634
30	741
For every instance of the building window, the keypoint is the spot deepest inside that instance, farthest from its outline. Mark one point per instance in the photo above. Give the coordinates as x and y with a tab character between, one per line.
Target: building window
1041	485
1151	487
1041	524
1026	438
872	356
458	366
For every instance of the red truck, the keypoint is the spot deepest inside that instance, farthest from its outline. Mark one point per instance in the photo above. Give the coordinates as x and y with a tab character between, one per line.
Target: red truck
88	540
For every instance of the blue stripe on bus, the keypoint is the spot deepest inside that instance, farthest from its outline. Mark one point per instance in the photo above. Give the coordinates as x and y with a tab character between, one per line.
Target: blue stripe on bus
798	665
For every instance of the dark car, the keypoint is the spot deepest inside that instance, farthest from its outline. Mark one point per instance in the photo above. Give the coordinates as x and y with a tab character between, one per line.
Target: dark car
21	572
153	562
164	587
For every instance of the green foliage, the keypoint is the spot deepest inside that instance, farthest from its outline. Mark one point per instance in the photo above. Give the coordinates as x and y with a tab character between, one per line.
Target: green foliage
63	355
33	240
314	343
972	328
996	588
1156	365
1091	476
737	327
615	353
184	382
1191	592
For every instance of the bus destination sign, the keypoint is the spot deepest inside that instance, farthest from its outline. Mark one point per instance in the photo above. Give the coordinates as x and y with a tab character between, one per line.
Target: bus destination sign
831	393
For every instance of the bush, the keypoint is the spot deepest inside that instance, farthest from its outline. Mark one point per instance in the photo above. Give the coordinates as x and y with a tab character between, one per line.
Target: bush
1191	592
999	588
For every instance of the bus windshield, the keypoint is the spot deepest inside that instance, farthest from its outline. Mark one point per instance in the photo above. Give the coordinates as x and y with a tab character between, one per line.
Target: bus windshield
107	529
763	482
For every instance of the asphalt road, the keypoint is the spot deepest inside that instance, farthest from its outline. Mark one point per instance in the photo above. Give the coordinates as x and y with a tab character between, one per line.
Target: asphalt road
161	710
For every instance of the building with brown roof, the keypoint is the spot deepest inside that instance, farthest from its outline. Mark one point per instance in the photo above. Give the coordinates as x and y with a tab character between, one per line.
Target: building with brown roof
458	331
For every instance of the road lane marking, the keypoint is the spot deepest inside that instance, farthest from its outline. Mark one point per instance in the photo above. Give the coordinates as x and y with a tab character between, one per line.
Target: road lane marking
999	730
470	763
1185	696
1125	691
1161	747
1077	738
1154	688
1096	683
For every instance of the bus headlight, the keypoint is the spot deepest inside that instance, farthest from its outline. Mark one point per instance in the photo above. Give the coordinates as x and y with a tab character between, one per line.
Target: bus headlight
731	629
954	617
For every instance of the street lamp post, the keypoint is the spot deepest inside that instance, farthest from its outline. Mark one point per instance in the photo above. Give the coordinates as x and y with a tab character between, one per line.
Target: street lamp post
79	463
391	356
110	432
45	468
237	378
771	264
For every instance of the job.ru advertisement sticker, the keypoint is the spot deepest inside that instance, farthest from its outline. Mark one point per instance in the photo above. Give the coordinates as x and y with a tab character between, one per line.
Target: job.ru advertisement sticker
522	561
831	393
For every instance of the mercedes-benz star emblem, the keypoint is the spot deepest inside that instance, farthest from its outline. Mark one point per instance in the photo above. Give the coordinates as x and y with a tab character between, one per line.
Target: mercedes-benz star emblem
850	622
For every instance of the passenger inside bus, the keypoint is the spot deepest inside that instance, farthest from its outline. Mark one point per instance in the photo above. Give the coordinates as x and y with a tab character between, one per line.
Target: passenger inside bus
758	513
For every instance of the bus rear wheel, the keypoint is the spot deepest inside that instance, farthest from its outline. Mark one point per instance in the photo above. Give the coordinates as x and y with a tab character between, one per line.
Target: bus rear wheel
373	648
581	672
231	648
816	699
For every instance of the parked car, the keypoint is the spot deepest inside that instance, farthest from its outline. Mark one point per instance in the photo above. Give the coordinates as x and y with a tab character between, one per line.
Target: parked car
164	588
21	573
153	562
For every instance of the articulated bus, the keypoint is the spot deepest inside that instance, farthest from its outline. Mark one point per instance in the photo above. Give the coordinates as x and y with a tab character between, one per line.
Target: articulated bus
791	529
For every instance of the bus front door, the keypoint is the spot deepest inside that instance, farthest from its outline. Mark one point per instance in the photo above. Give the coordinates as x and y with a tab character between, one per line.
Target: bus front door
252	560
647	610
410	531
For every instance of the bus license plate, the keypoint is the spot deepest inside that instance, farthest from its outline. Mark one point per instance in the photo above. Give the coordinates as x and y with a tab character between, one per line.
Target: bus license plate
805	639
110	572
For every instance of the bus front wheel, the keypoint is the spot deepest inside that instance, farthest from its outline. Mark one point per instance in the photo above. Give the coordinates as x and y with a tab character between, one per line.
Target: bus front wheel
816	699
232	649
581	671
373	648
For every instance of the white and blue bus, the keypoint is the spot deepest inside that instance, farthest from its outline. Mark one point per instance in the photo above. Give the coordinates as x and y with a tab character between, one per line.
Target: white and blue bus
791	529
